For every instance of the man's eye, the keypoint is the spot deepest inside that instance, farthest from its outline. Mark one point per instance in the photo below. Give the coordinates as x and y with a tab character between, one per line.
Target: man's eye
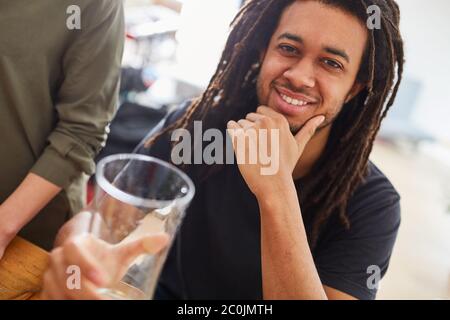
288	49
332	64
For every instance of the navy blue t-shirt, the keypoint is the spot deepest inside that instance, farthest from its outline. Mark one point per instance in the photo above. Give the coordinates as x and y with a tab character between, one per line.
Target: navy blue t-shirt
216	254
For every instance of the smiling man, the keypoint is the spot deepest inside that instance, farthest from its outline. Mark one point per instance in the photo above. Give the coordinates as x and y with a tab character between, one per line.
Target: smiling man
328	218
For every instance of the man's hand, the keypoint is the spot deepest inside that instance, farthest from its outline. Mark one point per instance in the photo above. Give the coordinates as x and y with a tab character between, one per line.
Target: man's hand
5	239
289	147
101	264
76	226
7	232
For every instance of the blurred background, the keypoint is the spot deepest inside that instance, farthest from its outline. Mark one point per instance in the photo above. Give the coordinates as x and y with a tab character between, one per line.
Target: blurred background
173	47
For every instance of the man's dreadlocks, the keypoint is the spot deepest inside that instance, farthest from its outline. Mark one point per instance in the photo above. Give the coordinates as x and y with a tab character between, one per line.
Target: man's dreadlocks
231	94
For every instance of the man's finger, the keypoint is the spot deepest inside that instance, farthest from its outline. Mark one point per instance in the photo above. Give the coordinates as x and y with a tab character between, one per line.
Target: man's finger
76	226
58	270
233	125
88	291
308	131
245	123
233	128
269	112
254	117
76	254
52	286
151	244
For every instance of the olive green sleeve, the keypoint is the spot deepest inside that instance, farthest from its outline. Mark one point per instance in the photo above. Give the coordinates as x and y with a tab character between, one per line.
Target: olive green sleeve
88	97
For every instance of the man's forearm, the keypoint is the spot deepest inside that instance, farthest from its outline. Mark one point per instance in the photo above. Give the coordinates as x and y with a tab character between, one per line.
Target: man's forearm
288	269
32	195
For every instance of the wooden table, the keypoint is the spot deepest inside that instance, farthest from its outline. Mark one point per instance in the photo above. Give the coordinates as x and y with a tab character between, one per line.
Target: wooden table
21	270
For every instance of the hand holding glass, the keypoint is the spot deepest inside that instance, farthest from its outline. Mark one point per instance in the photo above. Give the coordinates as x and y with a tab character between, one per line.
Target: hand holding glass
135	196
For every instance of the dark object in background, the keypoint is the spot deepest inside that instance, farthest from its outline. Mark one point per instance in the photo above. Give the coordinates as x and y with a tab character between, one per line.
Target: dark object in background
131	124
132	121
136	80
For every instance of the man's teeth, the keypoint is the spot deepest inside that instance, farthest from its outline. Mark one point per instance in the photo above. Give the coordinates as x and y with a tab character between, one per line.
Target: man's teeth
292	101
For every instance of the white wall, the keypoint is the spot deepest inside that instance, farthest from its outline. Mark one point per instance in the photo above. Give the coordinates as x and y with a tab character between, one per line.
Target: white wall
203	32
425	26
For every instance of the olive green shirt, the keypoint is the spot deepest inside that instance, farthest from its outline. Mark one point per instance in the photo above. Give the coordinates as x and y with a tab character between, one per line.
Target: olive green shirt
58	93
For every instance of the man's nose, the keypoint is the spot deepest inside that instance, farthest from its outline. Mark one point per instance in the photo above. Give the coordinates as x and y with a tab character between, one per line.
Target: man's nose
301	74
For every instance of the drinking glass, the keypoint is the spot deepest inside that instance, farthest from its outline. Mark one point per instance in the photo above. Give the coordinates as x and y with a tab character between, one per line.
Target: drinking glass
135	196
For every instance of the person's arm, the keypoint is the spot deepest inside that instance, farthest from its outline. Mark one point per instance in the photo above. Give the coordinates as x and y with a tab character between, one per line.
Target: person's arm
30	197
288	269
288	273
86	103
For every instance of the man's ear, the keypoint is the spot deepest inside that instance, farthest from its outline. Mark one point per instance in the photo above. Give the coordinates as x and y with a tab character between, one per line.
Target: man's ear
357	87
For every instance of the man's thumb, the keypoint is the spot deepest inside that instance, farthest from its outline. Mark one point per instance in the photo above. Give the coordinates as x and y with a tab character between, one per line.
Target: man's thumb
151	244
308	131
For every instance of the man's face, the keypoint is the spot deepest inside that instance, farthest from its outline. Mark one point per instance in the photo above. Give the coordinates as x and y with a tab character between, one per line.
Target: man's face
311	63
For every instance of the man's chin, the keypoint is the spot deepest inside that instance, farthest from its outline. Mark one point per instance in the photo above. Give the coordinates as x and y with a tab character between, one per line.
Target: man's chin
295	128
